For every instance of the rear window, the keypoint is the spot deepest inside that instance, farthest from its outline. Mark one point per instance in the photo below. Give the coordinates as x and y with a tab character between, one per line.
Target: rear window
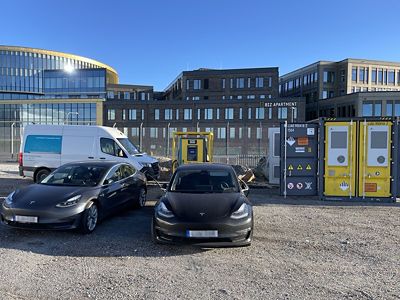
43	144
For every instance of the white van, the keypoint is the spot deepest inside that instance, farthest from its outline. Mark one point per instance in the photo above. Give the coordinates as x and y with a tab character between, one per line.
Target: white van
46	147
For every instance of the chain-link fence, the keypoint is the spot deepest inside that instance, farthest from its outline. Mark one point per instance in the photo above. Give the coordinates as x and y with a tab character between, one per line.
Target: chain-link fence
234	145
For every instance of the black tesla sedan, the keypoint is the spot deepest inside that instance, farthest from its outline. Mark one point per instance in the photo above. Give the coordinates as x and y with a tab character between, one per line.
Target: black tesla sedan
76	195
204	204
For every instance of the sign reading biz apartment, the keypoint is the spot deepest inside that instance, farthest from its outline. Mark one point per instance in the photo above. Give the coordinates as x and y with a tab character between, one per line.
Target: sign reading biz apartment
299	159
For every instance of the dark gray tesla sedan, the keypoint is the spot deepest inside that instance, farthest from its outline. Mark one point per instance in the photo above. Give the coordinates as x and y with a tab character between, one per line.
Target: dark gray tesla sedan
76	195
204	204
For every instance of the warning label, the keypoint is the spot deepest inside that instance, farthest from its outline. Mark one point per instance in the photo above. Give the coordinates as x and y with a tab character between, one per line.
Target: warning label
308	167
299	168
290	168
302	141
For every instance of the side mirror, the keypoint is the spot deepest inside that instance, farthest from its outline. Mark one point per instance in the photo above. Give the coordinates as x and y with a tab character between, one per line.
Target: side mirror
106	181
245	188
121	153
164	187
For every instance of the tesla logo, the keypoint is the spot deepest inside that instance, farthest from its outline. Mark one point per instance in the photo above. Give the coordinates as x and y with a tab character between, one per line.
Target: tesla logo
202	214
32	202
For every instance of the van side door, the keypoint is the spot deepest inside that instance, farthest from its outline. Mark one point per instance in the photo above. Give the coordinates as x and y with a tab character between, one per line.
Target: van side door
77	148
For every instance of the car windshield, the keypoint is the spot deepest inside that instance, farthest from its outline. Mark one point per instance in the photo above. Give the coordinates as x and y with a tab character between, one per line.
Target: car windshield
131	148
204	181
75	175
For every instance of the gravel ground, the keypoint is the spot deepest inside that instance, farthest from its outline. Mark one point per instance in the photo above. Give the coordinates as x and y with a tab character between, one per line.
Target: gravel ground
302	249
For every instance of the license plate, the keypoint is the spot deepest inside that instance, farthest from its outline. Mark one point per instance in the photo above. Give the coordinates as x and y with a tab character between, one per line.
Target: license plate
25	219
202	233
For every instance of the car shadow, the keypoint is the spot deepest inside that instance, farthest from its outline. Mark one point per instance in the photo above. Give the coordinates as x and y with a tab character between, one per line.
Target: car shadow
262	197
125	234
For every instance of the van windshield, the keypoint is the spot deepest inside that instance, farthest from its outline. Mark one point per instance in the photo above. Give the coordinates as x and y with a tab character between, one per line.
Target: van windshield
131	148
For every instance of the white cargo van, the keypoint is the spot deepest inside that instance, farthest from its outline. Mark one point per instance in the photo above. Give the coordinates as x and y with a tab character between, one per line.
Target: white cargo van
46	147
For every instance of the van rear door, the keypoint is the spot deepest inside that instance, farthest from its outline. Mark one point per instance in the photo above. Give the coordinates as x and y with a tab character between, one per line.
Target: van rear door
42	150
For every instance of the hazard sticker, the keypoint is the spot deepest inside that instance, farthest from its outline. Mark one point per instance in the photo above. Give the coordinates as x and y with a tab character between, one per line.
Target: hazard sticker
290	186
299	186
299	168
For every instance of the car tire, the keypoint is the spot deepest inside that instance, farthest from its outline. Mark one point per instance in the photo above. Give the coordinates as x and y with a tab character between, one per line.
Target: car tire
153	234
41	174
90	218
141	199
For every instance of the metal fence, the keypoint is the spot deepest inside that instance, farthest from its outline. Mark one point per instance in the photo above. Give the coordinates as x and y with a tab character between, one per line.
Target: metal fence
249	161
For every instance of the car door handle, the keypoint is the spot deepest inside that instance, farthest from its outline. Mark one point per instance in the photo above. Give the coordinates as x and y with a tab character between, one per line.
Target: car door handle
90	157
102	158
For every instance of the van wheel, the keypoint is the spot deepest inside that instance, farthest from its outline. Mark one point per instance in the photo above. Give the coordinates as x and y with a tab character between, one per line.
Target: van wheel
41	174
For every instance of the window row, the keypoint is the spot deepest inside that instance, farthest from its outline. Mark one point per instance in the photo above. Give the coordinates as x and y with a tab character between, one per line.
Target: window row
295	83
379	76
232	83
114	95
233	97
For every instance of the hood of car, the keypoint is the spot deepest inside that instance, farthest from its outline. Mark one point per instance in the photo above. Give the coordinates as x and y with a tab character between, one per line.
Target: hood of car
203	206
37	196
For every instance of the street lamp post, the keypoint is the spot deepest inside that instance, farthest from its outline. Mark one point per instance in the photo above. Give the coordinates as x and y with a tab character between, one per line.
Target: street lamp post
12	139
70	113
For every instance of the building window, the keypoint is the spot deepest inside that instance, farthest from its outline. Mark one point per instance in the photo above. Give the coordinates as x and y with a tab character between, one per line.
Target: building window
124	114
354	74
248	82
168	114
249	132
232	132
223	83
389	108
197	84
240	83
221	133
217	114
132	114
397	109
110	94
187	114
251	97
391	77
260	113
367	109
259	82
282	112
324	94
240	113
135	131
269	81
228	113
240	132
196	98
111	114
187	84
259	133
329	77
270	113
380	76
142	114
127	95
239	97
249	114
153	132
177	114
198	114
378	109
208	114
373	76
342	75
231	83
156	114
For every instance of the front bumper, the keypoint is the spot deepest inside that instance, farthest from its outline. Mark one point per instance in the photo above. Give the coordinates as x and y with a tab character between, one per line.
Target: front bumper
152	172
52	219
230	232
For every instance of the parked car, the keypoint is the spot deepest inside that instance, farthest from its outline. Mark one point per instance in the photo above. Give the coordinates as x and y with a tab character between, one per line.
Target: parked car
204	204
76	195
46	147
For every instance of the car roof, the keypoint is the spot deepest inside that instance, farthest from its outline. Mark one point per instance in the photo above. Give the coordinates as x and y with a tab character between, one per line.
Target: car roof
95	163
205	166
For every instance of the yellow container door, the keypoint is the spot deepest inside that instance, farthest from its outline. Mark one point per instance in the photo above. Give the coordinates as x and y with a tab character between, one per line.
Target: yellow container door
375	159
340	159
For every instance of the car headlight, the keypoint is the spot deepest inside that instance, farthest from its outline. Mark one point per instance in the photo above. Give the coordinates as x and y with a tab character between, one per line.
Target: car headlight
242	212
148	165
163	211
70	202
9	199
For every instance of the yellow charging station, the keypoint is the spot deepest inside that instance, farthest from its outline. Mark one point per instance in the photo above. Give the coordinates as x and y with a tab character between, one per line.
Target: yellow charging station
375	142
340	159
191	147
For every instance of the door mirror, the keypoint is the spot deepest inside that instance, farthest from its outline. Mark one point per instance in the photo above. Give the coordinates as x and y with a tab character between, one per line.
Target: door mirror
245	188
106	181
121	153
164	187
